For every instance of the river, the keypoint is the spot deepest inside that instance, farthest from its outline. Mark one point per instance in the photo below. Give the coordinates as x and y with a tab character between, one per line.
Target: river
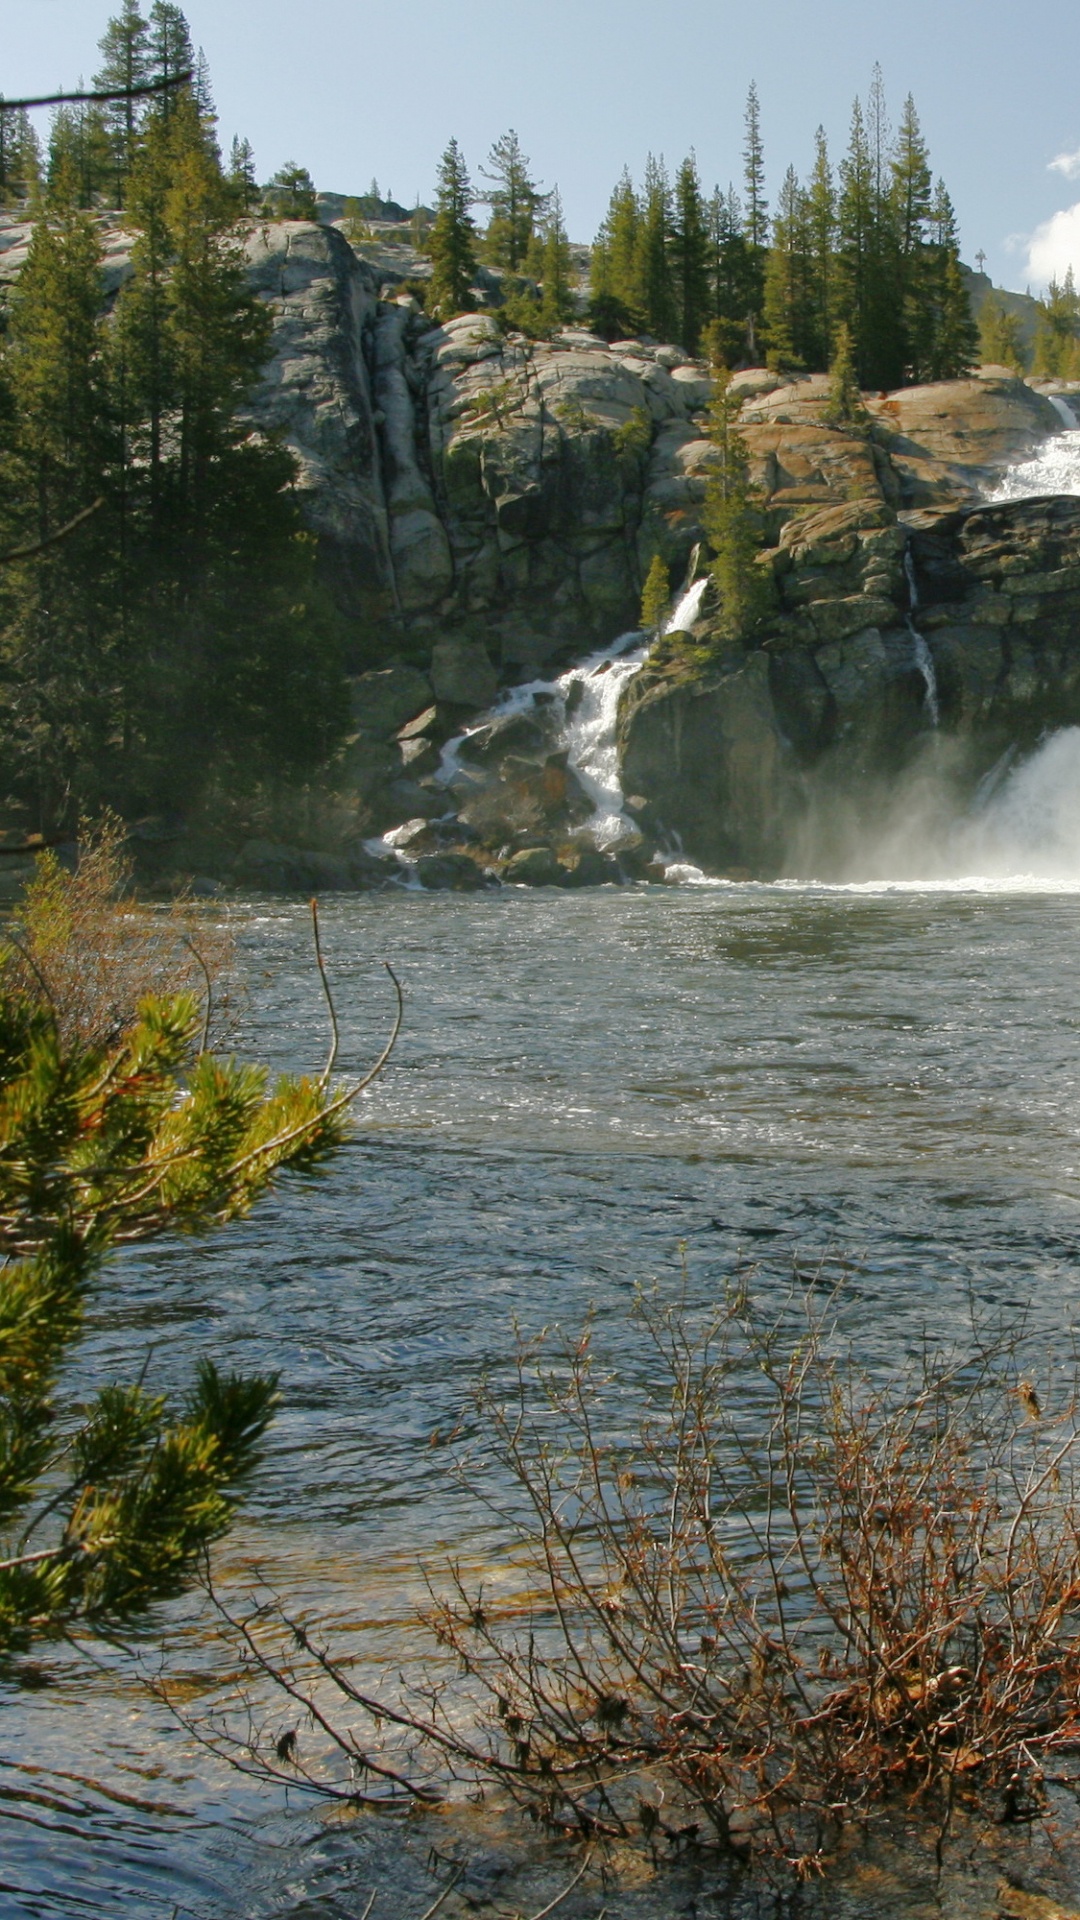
888	1078
593	1090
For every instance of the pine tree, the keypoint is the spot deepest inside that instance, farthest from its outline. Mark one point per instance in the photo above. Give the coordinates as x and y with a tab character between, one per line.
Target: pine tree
730	521
954	337
56	665
756	218
612	308
689	254
557	300
787	310
757	211
79	157
453	236
241	174
109	1507
1058	329
20	156
291	194
845	408
733	272
821	241
516	203
169	51
655	596
911	198
654	292
1001	336
125	62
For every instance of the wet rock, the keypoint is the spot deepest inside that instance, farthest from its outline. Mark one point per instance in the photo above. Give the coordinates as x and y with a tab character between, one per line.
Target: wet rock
534	867
450	873
284	869
590	868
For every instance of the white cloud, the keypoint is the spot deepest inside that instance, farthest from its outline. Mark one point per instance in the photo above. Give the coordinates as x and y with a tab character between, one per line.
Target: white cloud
1066	163
1055	247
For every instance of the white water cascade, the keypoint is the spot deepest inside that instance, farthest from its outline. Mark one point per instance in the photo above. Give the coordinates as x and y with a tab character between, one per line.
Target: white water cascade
924	659
1054	469
586	701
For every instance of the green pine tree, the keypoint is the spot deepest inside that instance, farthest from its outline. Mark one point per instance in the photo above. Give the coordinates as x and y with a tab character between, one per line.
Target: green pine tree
453	236
125	62
612	308
689	256
655	596
845	408
735	286
954	344
169	51
516	203
756	226
1001	336
912	203
821	241
108	1507
653	282
291	194
557	299
731	521
787	316
241	174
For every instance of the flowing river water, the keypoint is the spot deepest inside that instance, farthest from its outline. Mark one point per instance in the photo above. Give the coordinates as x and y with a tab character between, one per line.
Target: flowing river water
593	1090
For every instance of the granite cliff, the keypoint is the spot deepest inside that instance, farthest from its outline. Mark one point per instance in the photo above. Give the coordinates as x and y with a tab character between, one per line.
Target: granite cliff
487	507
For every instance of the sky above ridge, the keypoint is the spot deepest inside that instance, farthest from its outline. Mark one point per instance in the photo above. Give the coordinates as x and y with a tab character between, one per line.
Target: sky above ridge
361	93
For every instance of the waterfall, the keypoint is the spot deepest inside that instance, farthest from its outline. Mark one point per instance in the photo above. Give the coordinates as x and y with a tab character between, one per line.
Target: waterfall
924	659
586	701
1054	469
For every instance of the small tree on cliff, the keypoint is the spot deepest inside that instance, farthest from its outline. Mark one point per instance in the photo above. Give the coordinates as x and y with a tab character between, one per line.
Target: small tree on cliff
453	236
655	597
731	520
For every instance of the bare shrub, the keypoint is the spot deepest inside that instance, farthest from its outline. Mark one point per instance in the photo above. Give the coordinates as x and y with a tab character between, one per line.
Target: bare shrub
778	1598
83	943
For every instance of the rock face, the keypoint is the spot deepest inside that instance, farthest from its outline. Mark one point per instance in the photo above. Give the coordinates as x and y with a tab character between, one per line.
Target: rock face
729	748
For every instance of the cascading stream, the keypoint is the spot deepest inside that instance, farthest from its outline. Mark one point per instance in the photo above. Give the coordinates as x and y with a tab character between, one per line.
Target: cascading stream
586	701
1054	469
924	659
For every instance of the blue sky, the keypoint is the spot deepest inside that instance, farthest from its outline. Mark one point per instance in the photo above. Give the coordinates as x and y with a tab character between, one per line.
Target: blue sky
356	92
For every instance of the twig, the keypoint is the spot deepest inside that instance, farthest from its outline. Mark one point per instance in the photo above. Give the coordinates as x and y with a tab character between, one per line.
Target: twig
50	539
446	1892
560	1897
370	1904
119	93
193	949
320	963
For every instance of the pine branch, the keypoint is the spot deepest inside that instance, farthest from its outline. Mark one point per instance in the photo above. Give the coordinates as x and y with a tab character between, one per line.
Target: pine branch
118	93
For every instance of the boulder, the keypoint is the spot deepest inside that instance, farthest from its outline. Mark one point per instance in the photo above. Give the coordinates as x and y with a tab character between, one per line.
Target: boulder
534	867
450	873
384	700
462	674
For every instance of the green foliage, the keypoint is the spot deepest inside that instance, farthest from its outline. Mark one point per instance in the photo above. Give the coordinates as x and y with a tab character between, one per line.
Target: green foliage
556	297
20	157
109	1508
125	62
241	175
689	252
453	236
516	203
179	641
731	521
291	194
845	407
1001	336
1057	333
655	595
634	437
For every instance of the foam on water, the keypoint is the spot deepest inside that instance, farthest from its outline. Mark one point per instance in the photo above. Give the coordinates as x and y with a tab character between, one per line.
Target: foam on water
586	699
1054	469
